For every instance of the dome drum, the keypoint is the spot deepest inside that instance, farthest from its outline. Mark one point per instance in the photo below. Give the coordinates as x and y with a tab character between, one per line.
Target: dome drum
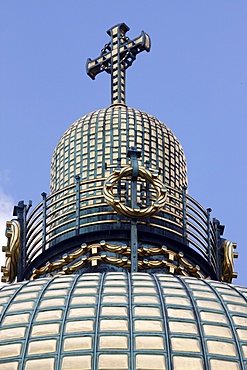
152	257
64	220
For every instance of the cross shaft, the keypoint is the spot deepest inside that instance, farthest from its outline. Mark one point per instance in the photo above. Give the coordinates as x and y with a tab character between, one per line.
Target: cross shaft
116	57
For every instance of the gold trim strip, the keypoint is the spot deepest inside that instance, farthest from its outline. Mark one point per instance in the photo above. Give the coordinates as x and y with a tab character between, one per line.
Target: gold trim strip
119	261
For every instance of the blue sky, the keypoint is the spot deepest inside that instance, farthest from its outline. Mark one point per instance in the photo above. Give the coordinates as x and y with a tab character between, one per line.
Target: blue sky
194	80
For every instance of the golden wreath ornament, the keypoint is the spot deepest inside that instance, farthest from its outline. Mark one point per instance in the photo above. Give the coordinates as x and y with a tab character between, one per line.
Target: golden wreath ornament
114	201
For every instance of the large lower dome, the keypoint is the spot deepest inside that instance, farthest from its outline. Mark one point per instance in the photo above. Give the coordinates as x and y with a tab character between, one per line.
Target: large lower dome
123	321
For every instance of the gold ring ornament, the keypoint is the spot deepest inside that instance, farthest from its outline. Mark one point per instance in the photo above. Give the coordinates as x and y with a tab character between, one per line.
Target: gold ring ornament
143	173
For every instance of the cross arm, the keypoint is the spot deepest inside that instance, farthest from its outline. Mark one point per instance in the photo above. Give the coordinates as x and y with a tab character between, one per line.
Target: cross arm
128	51
131	48
139	43
100	64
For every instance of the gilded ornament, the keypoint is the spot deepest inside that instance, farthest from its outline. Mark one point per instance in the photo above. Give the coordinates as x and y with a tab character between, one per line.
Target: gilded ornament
227	267
181	267
12	251
143	173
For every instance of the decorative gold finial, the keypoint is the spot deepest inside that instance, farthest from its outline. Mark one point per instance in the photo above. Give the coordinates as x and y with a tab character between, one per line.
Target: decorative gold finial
116	57
227	265
12	251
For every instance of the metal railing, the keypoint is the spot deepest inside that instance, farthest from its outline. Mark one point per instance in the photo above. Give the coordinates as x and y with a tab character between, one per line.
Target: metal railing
67	212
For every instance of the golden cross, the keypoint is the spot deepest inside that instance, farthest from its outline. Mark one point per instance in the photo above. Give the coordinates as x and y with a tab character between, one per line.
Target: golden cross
116	57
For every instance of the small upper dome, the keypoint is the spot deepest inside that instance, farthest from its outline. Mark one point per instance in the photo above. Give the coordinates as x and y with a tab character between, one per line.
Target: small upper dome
96	142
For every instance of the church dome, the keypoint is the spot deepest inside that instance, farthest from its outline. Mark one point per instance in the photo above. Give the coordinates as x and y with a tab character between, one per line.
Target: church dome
89	153
95	143
123	321
119	268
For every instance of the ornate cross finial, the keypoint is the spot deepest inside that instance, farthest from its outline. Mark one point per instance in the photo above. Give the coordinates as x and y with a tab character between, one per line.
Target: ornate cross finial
116	57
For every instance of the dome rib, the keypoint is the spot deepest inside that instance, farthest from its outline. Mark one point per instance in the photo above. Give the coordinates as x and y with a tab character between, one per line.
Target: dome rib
97	321
165	323
61	331
231	324
31	319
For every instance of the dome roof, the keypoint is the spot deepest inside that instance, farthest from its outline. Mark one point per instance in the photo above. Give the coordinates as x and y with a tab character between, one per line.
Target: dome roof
122	321
118	201
96	142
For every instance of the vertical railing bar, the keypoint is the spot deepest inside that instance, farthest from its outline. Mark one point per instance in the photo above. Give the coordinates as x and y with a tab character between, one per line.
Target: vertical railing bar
218	233
134	237
44	221
148	196
119	190
209	236
134	154
19	212
24	255
184	213
213	235
77	206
